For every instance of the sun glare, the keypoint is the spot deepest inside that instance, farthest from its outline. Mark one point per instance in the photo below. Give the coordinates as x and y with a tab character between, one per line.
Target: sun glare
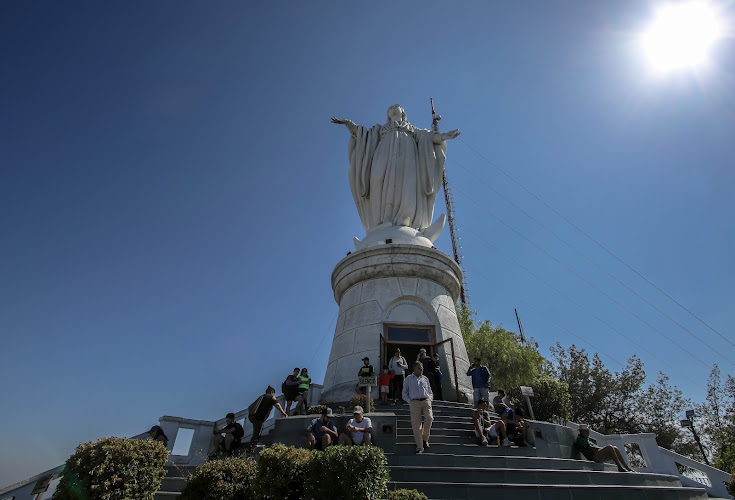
681	35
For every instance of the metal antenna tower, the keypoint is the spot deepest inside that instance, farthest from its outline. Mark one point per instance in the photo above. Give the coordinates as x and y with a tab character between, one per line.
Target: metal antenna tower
449	200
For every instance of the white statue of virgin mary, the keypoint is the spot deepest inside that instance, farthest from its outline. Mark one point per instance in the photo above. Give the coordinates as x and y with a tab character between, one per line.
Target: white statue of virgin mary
395	174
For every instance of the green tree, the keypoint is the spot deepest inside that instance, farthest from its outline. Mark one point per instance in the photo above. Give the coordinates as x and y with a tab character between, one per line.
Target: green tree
550	399
716	420
573	367
511	362
661	405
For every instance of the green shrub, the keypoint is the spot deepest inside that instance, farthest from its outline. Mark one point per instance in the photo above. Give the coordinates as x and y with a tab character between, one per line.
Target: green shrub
347	473
229	479
551	399
281	472
406	495
359	400
113	469
315	410
731	485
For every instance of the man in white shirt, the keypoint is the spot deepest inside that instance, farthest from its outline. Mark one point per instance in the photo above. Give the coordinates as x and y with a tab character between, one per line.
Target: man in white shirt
417	393
397	366
358	431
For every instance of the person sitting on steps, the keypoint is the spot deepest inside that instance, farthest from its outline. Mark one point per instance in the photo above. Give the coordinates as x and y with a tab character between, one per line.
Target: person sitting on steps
358	430
233	433
486	430
322	432
515	425
599	454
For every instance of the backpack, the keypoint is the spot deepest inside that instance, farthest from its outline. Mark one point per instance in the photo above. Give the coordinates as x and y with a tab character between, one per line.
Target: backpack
253	408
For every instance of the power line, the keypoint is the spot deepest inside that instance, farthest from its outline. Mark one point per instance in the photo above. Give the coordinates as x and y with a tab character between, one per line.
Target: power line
656	330
581	339
580	230
585	309
597	266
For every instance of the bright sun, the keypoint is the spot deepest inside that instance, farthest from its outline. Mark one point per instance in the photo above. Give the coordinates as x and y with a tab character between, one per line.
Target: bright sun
681	35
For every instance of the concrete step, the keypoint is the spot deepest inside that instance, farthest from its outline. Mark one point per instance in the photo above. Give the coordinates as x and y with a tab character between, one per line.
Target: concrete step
459	490
446	412
179	470
431	458
459	424
405	421
450	431
166	495
173	483
454	448
530	476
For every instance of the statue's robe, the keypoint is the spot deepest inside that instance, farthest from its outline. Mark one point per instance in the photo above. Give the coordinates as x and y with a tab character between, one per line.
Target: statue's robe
395	173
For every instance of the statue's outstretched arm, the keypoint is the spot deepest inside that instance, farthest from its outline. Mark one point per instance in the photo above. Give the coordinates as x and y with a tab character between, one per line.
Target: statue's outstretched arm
440	137
351	126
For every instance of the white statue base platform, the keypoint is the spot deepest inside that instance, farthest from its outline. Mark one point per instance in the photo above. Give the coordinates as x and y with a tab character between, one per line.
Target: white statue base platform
389	234
396	296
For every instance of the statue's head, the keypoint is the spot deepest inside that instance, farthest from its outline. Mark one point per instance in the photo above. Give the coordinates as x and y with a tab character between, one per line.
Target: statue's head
396	114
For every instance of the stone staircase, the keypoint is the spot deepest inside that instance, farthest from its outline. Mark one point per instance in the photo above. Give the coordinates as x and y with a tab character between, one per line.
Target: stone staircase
455	467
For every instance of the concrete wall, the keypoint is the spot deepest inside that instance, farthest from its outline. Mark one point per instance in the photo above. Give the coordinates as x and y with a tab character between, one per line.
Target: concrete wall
290	431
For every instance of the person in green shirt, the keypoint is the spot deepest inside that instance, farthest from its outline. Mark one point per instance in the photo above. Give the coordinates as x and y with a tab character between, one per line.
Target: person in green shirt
599	454
303	392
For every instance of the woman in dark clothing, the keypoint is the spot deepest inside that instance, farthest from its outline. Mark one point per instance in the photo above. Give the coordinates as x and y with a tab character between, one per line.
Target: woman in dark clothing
157	434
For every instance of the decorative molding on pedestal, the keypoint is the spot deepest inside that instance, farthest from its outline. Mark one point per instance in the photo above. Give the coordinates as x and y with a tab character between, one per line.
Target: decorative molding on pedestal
396	285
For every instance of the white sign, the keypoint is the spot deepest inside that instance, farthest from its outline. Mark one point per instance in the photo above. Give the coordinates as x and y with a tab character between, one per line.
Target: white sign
367	381
526	391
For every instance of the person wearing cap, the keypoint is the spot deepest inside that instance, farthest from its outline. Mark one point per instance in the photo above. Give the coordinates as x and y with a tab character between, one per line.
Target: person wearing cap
157	434
417	393
366	370
322	432
599	454
358	430
397	366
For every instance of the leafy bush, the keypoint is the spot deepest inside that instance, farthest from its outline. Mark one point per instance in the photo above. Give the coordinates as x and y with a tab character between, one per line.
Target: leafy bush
731	485
228	479
406	495
550	399
281	472
315	410
359	400
113	469
347	472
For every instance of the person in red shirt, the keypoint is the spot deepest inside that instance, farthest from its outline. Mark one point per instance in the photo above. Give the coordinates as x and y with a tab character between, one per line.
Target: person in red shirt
384	383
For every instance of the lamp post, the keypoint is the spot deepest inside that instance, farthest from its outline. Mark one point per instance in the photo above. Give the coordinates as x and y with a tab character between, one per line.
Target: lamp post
689	422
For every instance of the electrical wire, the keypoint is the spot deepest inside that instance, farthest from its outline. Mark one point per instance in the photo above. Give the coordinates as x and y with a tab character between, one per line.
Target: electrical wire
580	230
656	330
580	306
588	259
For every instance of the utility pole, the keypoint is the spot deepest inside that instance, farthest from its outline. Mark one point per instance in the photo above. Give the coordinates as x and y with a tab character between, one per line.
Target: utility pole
520	327
450	211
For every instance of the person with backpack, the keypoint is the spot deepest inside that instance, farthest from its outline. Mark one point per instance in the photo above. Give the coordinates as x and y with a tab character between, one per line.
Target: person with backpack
259	411
480	381
290	388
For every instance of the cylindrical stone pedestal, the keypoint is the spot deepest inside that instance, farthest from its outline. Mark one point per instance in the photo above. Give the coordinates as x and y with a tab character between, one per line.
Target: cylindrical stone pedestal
396	296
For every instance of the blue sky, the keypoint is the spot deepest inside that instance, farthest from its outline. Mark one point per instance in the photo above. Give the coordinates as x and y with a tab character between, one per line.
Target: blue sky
174	197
